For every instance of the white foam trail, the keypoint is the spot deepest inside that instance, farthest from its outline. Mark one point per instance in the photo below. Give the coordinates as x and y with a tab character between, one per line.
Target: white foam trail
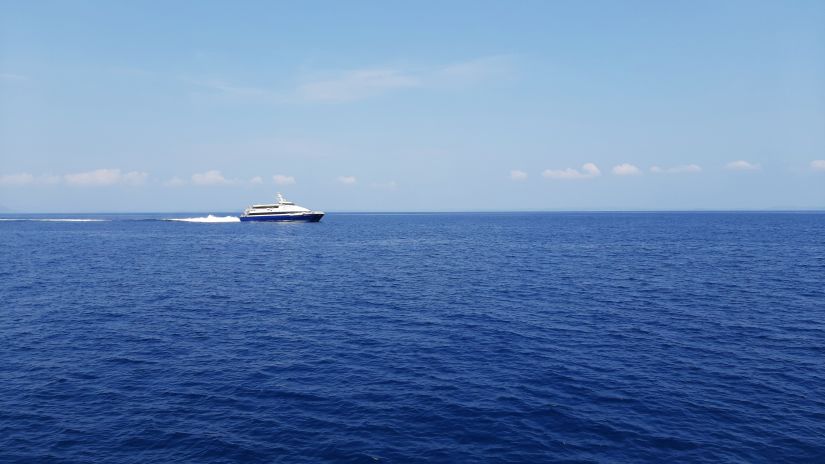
209	218
56	220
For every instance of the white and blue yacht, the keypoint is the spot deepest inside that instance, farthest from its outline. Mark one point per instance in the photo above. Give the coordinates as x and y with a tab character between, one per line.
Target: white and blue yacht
282	210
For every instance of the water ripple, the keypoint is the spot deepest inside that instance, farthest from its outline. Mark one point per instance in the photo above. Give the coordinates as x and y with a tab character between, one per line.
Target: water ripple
421	338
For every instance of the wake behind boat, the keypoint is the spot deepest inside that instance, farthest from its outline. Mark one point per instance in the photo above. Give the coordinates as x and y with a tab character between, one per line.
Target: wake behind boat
282	210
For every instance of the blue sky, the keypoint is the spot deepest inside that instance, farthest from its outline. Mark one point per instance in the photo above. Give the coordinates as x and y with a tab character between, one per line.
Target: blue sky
412	106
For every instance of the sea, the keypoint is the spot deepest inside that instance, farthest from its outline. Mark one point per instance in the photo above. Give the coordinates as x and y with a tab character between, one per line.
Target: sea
592	337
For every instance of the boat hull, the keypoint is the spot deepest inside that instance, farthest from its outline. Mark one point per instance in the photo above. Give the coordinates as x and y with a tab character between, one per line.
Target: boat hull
309	217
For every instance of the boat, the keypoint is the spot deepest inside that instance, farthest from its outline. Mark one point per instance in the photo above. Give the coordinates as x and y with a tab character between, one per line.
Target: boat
281	210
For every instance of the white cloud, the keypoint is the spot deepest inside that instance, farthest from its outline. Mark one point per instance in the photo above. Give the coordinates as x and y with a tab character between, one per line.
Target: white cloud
16	179
818	165
27	179
48	179
357	85
348	180
96	177
175	182
103	177
11	77
742	165
213	177
626	169
347	85
464	72
282	179
588	171
235	93
256	180
390	185
683	168
517	175
135	178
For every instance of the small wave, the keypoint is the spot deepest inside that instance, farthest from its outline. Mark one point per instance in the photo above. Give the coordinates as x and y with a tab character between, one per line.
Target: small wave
55	220
209	218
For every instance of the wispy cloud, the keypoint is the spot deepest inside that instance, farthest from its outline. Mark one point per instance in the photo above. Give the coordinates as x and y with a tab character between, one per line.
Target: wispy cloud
22	178
818	165
742	165
349	85
588	171
626	169
135	178
357	85
347	180
488	68
175	182
25	178
110	177
517	175
681	169
282	179
11	77
96	177
210	178
105	177
47	179
389	185
224	90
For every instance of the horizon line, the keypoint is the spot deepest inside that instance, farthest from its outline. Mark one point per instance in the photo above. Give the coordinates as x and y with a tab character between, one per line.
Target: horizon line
686	210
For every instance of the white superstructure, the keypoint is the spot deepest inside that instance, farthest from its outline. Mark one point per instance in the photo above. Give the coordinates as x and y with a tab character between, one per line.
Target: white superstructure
282	210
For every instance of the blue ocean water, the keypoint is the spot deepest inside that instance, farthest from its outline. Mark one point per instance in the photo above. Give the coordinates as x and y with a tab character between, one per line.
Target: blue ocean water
397	338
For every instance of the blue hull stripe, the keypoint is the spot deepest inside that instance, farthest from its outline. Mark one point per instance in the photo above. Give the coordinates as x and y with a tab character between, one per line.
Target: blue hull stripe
283	218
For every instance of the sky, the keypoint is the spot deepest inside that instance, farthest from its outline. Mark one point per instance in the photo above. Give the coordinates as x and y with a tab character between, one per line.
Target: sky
412	106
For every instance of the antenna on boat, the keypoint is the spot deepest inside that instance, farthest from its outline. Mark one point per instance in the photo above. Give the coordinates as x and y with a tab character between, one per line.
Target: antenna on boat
280	198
